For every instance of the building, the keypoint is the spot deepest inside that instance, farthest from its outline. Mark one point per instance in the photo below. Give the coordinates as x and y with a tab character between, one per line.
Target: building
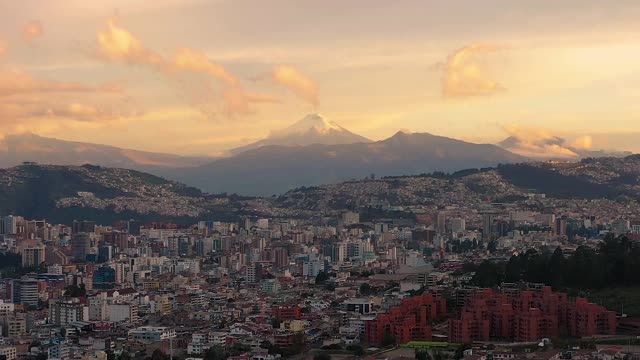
271	286
458	225
133	227
33	256
407	322
104	278
527	315
123	313
281	257
25	291
63	311
9	352
350	218
286	312
360	305
81	246
6	309
312	266
151	333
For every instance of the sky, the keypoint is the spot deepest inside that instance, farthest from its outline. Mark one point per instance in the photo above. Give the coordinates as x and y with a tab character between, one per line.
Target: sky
198	77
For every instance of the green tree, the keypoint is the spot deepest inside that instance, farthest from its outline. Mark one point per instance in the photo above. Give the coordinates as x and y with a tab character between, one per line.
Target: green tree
365	289
422	354
238	349
215	353
75	291
388	340
321	277
357	350
159	355
322	356
556	269
489	274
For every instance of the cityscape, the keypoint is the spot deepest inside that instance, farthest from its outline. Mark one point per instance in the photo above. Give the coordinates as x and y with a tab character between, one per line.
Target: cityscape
299	179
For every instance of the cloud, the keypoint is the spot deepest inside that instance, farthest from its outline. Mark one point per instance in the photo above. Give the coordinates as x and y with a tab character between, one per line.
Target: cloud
16	82
297	82
541	143
196	61
32	30
116	44
464	75
31	104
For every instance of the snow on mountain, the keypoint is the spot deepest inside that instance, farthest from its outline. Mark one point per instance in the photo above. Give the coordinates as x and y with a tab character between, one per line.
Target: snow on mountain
312	129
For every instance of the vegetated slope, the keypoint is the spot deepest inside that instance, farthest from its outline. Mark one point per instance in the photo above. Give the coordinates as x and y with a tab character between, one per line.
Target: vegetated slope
63	193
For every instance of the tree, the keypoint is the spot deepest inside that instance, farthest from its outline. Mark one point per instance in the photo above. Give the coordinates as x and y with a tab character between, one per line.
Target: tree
215	353
322	356
365	289
556	269
275	323
388	340
321	277
159	355
422	354
75	291
330	286
357	350
488	274
238	349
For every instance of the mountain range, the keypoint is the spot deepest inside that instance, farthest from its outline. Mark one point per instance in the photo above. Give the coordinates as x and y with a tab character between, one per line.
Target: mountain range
275	169
311	151
28	147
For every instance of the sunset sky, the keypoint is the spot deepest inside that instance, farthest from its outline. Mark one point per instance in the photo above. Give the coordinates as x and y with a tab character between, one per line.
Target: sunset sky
203	76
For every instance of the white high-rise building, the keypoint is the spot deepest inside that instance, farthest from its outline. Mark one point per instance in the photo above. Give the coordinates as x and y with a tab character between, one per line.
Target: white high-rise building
313	266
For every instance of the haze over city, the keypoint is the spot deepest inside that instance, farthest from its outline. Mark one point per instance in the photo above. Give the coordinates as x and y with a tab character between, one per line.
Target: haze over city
202	77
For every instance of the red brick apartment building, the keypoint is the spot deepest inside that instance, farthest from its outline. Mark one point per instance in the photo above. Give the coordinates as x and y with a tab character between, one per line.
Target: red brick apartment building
407	322
286	312
527	316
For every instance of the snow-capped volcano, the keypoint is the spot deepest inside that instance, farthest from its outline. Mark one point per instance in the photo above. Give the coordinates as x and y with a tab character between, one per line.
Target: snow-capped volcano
311	122
312	129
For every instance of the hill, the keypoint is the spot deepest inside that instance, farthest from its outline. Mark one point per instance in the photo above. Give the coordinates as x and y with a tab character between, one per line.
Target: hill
608	178
276	169
64	193
16	149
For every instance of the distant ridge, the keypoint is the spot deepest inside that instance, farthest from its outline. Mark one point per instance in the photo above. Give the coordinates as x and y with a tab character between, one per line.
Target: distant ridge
28	147
274	169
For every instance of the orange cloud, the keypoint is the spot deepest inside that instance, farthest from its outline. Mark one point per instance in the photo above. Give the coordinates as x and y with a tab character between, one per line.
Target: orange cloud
116	44
4	48
541	143
196	61
15	82
463	75
297	82
32	30
30	104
